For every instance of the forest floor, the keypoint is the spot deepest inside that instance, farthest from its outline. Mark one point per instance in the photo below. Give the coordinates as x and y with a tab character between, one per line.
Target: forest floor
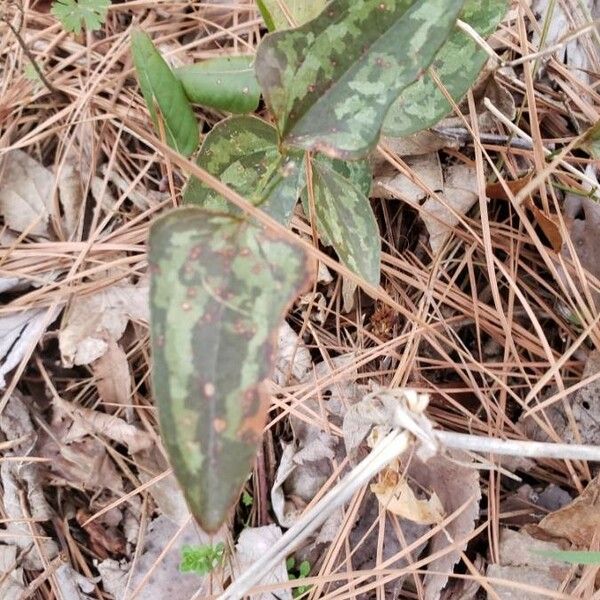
499	327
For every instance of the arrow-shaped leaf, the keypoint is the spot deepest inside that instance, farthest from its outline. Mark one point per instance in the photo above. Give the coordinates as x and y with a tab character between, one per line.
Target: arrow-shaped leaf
219	290
162	90
457	64
224	83
242	152
330	82
345	219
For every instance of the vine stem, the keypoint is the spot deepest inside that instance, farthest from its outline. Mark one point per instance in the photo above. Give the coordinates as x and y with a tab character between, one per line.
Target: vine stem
408	426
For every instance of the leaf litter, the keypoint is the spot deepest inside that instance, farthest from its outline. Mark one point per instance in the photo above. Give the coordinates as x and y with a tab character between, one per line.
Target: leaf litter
477	356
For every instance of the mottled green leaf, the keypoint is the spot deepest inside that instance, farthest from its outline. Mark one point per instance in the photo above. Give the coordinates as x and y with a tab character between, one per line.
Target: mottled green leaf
330	82
358	173
242	152
301	11
591	141
220	287
224	83
164	95
457	64
346	221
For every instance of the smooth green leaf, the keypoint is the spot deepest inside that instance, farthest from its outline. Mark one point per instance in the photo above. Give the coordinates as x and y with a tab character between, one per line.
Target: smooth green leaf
591	141
242	152
164	95
330	82
575	557
301	11
74	14
422	104
346	221
220	287
224	83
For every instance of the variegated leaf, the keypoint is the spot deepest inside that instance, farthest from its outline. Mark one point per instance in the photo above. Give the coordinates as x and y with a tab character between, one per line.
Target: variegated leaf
300	11
220	287
164	94
330	82
457	64
225	83
242	152
346	221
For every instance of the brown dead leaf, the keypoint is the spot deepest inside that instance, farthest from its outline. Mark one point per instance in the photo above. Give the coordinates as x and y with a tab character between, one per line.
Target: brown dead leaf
583	224
457	486
92	321
396	496
87	421
520	563
548	225
459	195
113	379
579	521
19	332
496	191
104	539
26	191
390	184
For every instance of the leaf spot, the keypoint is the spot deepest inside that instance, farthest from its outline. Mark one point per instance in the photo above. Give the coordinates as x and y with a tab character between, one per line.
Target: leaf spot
209	390
219	425
186	306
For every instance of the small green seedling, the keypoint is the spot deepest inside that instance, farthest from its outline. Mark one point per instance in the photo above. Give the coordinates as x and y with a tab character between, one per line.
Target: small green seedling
74	14
202	559
299	572
247	499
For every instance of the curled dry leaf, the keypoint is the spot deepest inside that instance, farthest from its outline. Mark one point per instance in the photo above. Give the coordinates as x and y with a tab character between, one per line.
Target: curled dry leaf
19	333
252	544
395	494
293	357
87	421
92	321
26	194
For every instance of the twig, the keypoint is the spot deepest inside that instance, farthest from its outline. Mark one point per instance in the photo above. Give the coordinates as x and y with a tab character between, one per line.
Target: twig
32	60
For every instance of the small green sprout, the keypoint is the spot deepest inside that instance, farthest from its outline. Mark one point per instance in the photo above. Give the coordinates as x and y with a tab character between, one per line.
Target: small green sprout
300	572
202	559
247	499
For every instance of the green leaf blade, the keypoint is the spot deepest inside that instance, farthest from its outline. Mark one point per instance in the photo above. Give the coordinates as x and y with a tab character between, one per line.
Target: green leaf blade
330	82
224	83
162	90
242	152
220	287
422	104
575	557
346	221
